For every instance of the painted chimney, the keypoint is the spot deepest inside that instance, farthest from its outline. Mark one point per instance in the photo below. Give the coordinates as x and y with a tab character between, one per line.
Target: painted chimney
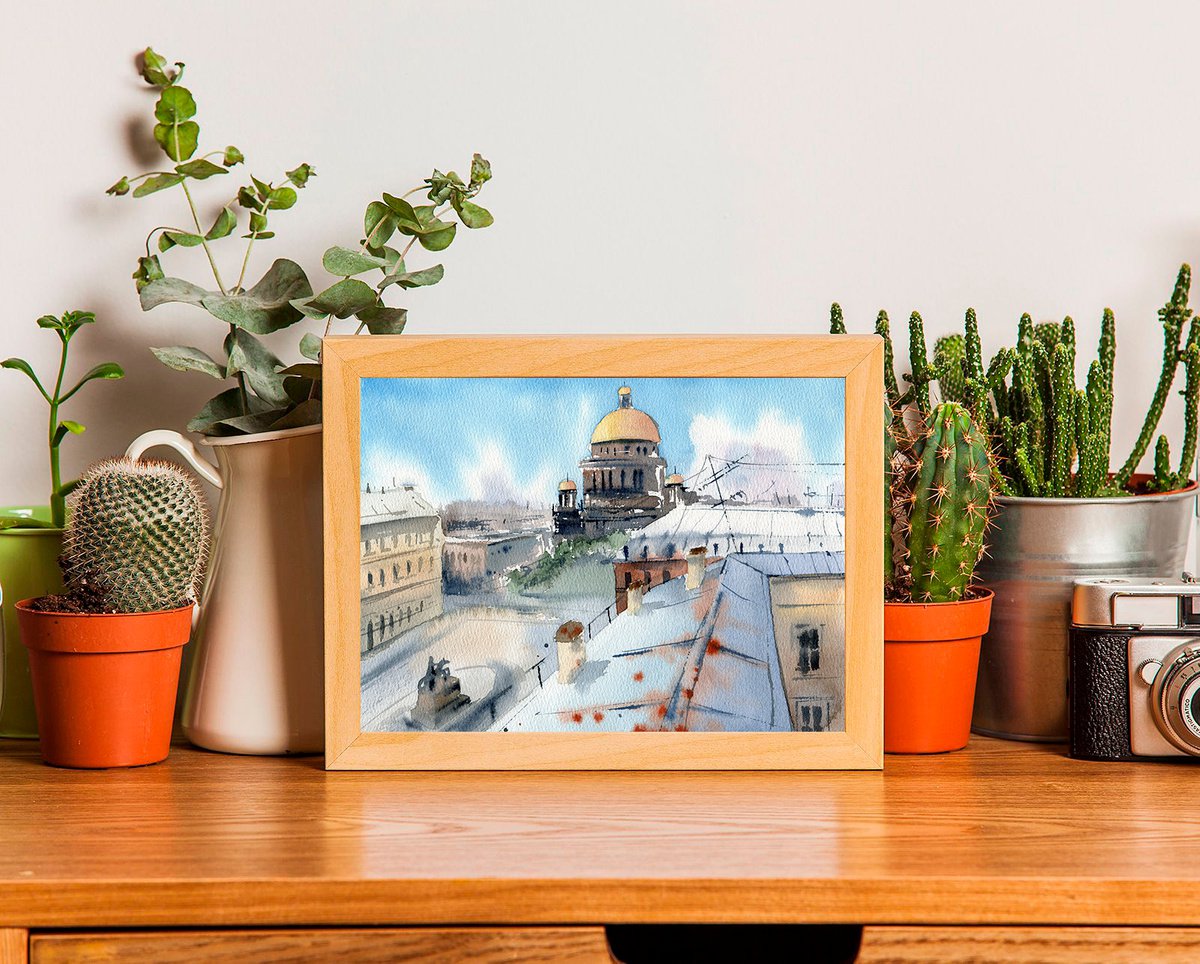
695	572
572	651
633	597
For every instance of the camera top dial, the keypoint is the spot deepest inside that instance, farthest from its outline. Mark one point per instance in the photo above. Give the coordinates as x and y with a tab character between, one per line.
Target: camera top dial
1175	698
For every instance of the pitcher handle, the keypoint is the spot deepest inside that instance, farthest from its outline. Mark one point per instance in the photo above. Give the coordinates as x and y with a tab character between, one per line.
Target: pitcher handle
184	446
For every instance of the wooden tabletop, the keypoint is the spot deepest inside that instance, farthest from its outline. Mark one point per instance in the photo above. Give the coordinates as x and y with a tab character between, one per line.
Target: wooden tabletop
998	833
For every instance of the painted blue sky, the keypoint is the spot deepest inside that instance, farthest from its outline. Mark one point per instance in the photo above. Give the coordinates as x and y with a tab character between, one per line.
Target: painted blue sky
496	438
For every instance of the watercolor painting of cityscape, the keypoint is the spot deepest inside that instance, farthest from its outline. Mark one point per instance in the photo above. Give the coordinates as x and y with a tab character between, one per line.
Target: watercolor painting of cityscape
591	554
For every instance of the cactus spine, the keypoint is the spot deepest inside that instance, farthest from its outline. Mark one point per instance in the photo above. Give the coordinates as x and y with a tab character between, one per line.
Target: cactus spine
136	538
949	495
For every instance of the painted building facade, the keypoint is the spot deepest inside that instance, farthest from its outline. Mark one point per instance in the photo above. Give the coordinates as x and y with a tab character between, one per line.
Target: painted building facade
481	563
400	580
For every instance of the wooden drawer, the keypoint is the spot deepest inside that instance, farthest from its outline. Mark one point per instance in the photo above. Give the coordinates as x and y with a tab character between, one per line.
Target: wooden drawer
1027	945
575	945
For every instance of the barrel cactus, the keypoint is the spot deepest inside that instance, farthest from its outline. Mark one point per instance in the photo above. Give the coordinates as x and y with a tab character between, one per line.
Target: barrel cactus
137	537
948	491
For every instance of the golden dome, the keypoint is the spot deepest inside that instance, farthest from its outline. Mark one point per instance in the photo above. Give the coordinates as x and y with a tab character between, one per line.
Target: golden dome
626	425
675	479
566	485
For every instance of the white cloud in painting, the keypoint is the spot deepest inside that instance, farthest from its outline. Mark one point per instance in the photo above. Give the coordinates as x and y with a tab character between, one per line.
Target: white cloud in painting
776	459
490	476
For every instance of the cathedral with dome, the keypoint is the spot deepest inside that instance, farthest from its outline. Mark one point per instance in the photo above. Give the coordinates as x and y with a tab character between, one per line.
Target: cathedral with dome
625	481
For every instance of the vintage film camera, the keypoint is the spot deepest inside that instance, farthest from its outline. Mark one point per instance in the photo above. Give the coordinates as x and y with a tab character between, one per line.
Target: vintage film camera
1135	669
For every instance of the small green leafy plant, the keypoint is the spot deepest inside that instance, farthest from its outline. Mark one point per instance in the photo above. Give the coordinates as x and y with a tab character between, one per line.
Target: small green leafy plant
65	327
267	394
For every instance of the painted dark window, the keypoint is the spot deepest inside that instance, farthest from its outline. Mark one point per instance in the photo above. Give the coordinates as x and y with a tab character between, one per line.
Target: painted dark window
666	574
808	647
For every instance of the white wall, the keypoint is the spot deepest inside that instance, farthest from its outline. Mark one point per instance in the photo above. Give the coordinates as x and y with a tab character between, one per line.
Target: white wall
667	166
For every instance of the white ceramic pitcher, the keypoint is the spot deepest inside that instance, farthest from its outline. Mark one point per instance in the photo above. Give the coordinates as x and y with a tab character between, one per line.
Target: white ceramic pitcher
257	678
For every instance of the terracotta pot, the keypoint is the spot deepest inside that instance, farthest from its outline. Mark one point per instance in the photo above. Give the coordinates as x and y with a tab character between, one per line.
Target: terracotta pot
930	660
104	685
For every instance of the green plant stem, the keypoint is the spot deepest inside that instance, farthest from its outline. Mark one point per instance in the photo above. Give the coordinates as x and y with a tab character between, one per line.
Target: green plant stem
58	508
212	263
246	261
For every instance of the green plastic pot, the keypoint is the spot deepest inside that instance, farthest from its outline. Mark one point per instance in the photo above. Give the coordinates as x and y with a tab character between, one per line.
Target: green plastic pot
28	569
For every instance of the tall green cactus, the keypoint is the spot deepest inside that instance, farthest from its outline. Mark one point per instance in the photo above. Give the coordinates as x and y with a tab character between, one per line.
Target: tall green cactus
950	492
949	358
137	537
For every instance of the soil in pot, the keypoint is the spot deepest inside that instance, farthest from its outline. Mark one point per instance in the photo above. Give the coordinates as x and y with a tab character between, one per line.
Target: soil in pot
931	659
104	684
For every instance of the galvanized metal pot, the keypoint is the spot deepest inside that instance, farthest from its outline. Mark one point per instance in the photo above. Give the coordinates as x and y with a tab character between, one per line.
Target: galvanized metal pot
1037	550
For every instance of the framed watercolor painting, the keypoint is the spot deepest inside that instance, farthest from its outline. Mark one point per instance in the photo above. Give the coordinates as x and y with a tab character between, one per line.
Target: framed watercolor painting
603	553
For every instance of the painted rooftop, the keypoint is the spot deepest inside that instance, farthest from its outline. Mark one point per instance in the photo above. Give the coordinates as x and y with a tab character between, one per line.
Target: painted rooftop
740	529
699	659
397	502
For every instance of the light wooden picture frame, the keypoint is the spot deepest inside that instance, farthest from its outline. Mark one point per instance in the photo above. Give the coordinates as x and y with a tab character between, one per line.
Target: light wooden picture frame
419	387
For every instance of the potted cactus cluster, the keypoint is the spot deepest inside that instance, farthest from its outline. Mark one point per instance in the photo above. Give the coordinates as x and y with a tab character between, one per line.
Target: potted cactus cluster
1063	512
105	655
937	503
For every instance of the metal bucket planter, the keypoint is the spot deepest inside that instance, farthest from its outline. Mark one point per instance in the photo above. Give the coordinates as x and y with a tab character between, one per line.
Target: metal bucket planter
1037	550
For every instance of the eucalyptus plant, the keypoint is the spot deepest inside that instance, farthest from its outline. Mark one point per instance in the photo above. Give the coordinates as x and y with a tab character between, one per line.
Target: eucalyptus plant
267	394
65	328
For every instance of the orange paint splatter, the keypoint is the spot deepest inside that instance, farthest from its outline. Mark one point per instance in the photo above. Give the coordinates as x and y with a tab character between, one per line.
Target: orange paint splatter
714	646
597	716
662	710
639	727
577	717
688	693
639	676
680	728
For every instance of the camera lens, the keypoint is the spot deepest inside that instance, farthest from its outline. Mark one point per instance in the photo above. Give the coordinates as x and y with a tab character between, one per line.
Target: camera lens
1176	699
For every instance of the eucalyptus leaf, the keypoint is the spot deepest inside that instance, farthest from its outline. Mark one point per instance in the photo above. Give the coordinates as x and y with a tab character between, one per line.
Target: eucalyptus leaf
232	156
345	298
383	320
225	406
247	199
301	389
184	358
223	226
158	182
474	216
64	427
258	364
165	243
120	188
300	175
178	141
440	239
267	306
163	291
184	239
302	370
49	321
200	169
154	69
310	346
481	172
258	222
246	424
379	223
414	279
306	413
346	261
303	306
175	105
148	269
281	198
406	217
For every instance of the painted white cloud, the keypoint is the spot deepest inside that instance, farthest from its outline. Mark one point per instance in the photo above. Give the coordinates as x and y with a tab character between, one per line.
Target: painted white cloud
777	459
491	477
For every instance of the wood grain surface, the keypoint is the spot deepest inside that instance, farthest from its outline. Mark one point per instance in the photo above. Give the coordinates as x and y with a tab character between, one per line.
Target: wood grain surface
14	945
1030	945
856	358
998	833
508	945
